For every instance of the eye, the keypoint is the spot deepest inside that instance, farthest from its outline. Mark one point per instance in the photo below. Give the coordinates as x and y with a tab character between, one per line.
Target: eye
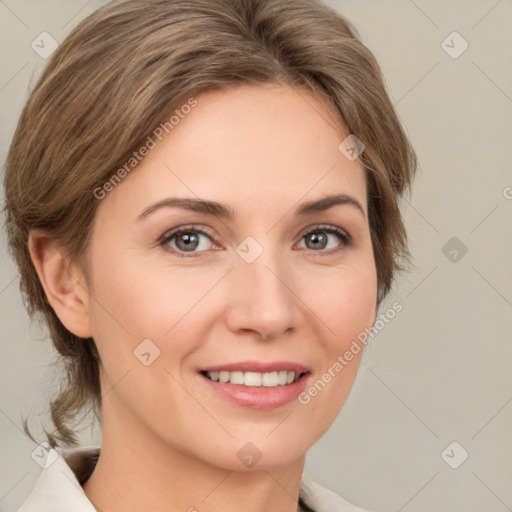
317	239
192	240
186	239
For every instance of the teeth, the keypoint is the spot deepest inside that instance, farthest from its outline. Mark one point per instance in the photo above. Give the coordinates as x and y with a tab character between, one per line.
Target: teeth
254	379
270	379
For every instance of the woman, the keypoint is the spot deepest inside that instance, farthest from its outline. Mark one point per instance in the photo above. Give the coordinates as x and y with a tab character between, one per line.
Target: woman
201	198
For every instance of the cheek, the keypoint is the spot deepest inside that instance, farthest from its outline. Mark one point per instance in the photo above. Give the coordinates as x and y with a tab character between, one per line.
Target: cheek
134	302
346	303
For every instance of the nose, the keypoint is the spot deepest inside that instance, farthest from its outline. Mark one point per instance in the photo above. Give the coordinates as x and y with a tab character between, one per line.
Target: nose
262	299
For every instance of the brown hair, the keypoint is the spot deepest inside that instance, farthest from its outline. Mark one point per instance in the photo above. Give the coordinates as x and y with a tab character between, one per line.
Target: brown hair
121	72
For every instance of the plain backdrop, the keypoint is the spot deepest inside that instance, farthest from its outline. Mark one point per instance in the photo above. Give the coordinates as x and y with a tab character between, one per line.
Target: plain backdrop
427	425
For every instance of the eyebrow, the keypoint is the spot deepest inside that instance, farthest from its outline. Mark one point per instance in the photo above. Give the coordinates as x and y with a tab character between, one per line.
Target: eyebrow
221	210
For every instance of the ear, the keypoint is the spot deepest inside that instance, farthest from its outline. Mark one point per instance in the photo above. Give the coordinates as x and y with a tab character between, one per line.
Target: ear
63	282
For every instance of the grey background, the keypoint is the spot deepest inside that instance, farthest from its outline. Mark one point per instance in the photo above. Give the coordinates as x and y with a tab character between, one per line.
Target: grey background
440	370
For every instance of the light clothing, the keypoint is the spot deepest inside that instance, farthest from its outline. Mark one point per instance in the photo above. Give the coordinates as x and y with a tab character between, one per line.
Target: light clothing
59	486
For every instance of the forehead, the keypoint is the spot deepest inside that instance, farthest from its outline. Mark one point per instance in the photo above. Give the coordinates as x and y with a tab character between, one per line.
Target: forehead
263	146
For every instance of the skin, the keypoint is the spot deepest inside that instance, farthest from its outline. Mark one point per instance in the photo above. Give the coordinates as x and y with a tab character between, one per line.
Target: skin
170	442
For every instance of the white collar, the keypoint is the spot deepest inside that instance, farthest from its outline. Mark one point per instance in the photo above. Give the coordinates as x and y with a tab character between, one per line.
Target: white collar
58	488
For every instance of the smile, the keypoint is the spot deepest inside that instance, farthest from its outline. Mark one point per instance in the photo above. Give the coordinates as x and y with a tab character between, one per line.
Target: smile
254	379
257	385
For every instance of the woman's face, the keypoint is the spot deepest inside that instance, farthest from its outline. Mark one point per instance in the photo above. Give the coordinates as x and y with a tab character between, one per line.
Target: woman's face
268	289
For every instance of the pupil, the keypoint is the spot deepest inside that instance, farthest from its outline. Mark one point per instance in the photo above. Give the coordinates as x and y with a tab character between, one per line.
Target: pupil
188	240
316	237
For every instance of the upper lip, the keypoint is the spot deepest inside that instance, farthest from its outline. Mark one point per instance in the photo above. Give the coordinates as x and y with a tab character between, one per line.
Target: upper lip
258	367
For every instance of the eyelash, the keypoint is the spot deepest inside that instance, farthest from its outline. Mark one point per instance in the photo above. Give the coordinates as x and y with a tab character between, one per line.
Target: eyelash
345	238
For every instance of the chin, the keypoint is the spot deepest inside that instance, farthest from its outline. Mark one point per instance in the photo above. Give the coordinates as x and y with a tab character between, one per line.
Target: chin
258	453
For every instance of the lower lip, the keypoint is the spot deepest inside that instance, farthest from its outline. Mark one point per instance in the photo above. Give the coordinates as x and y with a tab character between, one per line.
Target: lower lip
259	397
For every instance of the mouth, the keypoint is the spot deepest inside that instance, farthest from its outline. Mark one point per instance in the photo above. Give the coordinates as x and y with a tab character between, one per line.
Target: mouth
257	385
255	379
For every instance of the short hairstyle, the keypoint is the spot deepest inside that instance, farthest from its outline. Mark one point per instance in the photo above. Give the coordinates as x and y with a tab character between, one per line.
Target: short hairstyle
122	72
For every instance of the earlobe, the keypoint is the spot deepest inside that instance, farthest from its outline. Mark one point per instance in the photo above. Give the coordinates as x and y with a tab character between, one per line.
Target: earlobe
63	283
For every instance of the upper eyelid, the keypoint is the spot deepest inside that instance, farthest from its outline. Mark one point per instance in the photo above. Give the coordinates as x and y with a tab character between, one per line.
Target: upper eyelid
323	226
187	227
